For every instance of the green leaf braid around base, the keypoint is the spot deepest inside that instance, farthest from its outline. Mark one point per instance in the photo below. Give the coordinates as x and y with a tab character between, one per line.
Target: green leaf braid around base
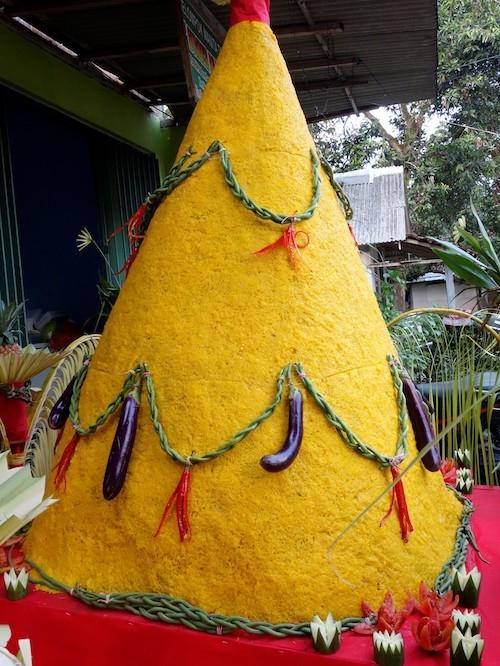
168	609
464	537
285	374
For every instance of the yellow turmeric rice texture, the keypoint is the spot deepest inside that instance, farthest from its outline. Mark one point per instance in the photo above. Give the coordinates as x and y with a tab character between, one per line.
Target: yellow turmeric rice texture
215	324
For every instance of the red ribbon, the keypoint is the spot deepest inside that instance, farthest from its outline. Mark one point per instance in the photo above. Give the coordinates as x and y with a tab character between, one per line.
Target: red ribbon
133	225
180	494
65	461
398	498
249	10
288	240
351	230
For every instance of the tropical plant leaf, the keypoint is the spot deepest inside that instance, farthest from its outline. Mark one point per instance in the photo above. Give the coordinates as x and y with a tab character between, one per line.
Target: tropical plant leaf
465	266
456	250
471	240
486	245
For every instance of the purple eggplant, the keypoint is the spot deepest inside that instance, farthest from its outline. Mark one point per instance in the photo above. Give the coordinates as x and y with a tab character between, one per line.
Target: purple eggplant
121	448
60	411
276	462
422	427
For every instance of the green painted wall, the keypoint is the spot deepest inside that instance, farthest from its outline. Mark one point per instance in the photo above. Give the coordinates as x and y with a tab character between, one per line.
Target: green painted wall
34	71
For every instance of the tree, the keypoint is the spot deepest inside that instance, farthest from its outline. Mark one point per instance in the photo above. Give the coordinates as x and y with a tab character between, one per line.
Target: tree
455	163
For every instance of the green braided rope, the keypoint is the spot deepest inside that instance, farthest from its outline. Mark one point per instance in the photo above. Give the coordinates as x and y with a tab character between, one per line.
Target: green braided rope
178	175
227	445
74	413
129	384
348	435
342	196
168	609
265	213
464	536
285	375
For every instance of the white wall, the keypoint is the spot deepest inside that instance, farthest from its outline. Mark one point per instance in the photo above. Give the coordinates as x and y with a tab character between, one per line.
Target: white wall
367	259
433	294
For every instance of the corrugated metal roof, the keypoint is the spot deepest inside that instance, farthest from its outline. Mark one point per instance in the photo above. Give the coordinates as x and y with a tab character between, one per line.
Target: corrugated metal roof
378	201
390	45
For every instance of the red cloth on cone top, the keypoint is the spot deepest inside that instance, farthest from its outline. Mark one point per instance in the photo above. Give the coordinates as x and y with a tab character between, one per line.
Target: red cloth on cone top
249	10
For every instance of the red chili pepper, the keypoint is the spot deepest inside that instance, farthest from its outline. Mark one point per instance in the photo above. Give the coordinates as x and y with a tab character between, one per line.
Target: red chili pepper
180	494
398	498
65	461
288	240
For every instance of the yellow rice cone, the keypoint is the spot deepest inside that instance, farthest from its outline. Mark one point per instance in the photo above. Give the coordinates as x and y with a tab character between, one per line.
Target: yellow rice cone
215	323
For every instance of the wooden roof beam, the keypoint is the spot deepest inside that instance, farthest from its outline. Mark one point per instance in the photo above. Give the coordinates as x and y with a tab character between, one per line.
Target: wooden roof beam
128	51
306	30
159	102
405	262
160	82
165	82
322	63
326	50
324	84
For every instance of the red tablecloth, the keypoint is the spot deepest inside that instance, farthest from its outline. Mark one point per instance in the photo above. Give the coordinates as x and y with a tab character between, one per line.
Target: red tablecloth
64	632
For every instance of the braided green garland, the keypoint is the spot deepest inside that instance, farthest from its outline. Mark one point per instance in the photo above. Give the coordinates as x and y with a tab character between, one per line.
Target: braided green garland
226	446
348	435
168	609
285	374
265	213
464	536
74	413
343	198
178	175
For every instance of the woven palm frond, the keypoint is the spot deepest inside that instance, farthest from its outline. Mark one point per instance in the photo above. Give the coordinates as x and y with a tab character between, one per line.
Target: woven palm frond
18	368
41	440
4	442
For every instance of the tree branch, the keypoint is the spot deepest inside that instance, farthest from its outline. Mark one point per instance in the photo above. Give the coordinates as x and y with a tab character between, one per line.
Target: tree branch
391	140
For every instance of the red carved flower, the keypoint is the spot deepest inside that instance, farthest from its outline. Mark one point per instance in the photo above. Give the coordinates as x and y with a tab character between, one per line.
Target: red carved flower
449	471
388	618
11	554
430	602
433	633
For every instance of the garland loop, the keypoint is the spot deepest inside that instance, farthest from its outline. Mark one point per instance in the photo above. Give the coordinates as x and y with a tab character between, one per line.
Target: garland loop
335	420
139	221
